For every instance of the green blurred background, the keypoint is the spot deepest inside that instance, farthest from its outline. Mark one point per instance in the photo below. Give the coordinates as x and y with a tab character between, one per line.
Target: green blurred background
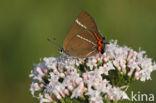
25	25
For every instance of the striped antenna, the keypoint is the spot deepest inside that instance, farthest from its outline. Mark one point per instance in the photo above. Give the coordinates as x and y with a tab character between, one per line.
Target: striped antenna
53	41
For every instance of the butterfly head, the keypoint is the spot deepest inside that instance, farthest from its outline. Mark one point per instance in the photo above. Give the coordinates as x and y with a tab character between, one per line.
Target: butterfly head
61	50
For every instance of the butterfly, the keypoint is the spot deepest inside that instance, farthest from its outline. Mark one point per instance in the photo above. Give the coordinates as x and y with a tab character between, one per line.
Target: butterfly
83	39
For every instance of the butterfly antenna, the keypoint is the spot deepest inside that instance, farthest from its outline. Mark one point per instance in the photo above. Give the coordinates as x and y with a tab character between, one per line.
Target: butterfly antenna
53	41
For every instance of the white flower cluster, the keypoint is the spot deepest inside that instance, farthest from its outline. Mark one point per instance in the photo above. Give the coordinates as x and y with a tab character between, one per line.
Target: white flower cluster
58	78
124	58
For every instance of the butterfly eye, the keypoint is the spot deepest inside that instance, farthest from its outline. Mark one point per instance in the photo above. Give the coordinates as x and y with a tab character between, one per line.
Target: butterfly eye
61	50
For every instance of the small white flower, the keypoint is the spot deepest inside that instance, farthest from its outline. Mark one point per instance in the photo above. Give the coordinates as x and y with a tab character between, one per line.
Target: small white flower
44	100
78	92
96	98
34	87
38	69
116	94
47	96
92	62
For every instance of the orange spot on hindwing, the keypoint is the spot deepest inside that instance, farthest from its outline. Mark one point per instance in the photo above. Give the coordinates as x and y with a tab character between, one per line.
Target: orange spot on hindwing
99	42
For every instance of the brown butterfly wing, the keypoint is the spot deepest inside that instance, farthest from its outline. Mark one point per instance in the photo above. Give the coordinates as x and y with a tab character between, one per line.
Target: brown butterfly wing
87	20
82	45
83	22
